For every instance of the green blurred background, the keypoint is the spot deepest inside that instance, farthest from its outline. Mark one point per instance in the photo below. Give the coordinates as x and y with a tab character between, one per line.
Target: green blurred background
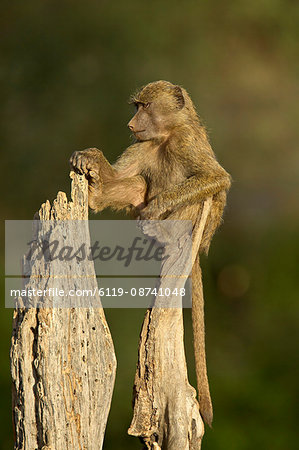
67	70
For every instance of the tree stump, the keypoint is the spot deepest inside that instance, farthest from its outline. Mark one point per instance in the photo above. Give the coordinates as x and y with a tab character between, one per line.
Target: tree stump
62	358
166	412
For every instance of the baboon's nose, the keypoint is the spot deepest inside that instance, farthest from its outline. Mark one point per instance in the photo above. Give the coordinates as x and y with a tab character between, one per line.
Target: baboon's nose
131	126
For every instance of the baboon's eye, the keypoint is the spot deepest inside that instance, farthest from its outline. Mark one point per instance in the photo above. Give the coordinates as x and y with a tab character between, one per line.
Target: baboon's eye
146	105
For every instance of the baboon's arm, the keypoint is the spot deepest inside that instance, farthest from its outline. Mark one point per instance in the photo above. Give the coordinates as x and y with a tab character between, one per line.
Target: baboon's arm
97	168
193	190
117	186
118	194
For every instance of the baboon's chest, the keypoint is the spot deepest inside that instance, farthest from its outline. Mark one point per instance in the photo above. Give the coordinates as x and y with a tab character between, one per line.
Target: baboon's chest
162	172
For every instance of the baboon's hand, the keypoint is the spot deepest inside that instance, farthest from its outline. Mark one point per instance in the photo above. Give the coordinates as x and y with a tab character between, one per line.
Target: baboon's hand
87	162
148	227
155	229
150	211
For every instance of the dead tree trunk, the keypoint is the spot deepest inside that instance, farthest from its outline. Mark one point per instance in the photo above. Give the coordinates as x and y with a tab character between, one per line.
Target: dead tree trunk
166	412
62	358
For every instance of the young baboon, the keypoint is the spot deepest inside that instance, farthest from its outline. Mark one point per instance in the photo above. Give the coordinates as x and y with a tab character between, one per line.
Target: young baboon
166	174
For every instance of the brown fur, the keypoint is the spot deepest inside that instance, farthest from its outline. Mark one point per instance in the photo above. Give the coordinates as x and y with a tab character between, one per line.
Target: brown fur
166	174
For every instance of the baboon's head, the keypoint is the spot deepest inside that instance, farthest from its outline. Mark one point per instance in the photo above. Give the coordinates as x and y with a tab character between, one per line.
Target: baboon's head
160	107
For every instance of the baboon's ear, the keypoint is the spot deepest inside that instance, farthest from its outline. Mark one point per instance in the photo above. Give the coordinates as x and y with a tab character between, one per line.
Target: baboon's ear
178	93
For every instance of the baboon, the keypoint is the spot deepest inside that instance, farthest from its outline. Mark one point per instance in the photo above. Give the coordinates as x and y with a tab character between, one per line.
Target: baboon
167	173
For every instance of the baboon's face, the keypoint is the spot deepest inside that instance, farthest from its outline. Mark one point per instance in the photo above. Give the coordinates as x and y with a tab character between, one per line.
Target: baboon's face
159	106
149	122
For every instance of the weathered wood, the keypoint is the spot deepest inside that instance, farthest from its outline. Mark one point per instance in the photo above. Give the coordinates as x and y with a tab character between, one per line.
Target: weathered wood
166	412
62	358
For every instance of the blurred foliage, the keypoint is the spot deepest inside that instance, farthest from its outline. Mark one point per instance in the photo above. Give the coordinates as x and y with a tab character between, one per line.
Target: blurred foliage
67	70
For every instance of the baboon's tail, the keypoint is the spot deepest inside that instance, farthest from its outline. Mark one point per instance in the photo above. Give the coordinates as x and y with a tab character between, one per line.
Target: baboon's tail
204	398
